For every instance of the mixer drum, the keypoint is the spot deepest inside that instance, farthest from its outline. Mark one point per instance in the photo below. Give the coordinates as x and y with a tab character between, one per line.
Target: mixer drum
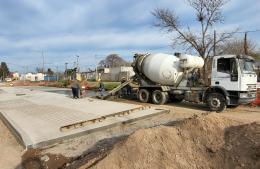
168	69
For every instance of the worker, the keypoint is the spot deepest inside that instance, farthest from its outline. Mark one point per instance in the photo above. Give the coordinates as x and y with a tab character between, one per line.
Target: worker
101	88
75	87
128	89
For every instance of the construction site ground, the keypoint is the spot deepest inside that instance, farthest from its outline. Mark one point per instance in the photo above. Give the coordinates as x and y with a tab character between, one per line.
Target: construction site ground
187	137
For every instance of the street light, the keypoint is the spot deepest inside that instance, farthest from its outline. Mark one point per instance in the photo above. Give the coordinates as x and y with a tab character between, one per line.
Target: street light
66	67
43	59
77	63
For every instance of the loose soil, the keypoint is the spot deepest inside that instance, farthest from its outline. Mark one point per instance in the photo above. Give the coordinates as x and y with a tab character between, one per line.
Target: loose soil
187	137
11	151
206	142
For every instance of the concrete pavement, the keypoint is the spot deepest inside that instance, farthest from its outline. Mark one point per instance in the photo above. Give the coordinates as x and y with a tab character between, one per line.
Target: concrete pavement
40	118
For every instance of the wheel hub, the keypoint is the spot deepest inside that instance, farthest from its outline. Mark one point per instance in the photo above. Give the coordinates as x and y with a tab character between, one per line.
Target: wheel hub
158	97
143	95
215	102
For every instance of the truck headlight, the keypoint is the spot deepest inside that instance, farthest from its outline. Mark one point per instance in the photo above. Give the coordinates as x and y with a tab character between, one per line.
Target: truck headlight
243	95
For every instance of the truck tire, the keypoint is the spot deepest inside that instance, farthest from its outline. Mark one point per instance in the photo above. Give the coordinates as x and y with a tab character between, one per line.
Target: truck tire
144	95
159	97
216	102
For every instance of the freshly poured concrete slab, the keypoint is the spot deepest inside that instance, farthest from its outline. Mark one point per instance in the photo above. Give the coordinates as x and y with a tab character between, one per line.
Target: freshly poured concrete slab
40	118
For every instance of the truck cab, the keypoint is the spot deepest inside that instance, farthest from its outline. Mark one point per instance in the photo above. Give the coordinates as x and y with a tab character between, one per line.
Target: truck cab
235	77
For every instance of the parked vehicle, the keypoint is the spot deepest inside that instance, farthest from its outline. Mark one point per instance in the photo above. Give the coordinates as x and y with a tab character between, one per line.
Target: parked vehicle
228	80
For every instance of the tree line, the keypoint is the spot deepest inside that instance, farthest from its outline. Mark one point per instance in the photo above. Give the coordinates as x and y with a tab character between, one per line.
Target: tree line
4	70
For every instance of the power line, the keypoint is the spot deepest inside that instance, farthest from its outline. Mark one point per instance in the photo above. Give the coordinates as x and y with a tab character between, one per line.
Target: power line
242	32
248	31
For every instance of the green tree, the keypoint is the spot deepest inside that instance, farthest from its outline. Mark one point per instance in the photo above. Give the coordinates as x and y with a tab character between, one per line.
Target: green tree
71	73
50	72
4	71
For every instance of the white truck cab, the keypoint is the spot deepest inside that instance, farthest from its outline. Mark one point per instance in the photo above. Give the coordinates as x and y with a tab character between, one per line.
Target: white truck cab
235	75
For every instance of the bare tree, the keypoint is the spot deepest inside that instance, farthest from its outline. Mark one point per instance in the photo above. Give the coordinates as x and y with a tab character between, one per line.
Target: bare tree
236	46
112	60
208	13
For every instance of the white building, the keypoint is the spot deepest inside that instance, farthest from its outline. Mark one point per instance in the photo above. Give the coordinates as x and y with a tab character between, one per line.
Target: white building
33	77
15	75
110	74
103	73
117	73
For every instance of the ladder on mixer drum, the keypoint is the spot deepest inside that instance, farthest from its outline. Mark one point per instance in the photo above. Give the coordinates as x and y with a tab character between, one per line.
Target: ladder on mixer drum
117	89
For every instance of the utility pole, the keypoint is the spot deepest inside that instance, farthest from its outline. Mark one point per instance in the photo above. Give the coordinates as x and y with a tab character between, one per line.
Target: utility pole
57	72
66	67
245	44
57	69
25	72
96	68
43	60
214	48
77	63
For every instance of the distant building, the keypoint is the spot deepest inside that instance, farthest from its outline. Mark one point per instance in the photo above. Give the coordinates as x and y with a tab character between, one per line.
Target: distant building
109	74
117	73
89	75
33	77
8	79
14	75
103	73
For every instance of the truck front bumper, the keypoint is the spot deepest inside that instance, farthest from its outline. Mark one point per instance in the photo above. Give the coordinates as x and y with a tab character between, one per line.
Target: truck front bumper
246	98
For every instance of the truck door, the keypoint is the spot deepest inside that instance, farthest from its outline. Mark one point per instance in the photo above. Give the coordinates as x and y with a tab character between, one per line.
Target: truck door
225	74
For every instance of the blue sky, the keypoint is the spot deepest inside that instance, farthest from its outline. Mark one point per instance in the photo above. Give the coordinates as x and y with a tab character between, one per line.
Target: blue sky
65	28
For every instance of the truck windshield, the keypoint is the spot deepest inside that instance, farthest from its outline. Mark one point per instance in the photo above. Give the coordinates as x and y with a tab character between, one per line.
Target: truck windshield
246	65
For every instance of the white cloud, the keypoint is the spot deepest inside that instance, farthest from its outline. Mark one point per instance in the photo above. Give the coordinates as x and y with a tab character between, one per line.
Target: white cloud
65	27
97	40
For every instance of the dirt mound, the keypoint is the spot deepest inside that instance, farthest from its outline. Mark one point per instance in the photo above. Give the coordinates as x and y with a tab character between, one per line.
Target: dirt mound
201	142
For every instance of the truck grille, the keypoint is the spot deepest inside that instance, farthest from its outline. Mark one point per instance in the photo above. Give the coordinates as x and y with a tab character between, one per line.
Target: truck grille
251	87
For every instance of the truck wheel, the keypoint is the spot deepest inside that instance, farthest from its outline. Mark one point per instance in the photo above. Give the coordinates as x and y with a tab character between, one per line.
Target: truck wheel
216	102
159	97
144	95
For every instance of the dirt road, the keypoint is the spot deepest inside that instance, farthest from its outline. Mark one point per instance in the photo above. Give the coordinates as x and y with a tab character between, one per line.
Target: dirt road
86	150
185	110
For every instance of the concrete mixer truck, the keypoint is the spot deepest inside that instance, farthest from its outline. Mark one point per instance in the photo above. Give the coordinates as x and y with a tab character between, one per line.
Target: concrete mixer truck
230	79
